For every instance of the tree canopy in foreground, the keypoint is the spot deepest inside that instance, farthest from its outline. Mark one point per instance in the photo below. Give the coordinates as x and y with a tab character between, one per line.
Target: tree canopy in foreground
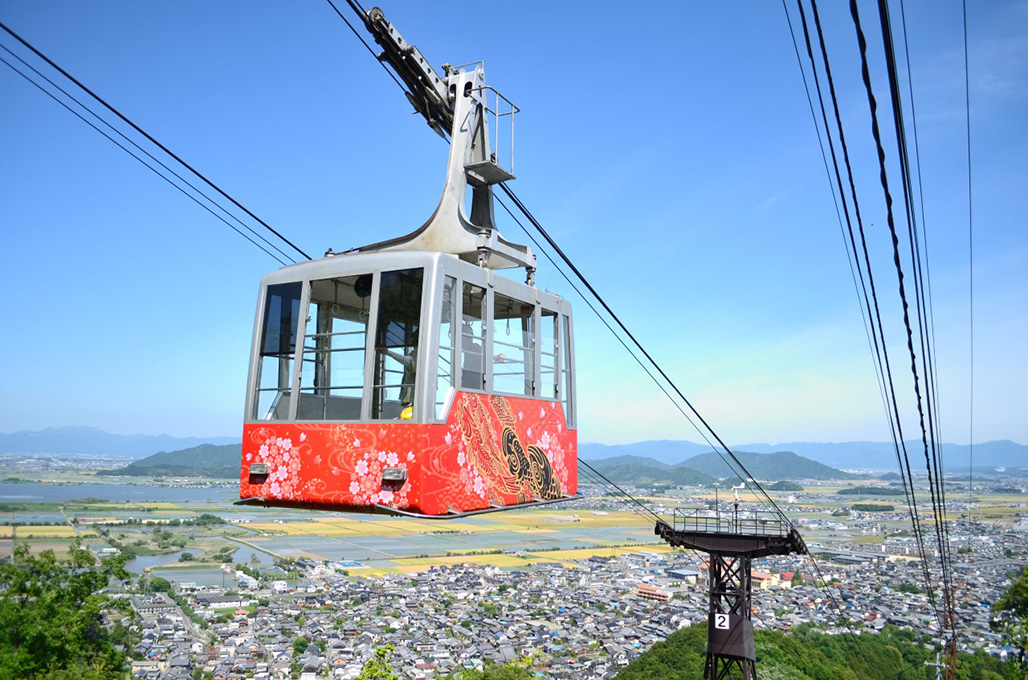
805	653
52	616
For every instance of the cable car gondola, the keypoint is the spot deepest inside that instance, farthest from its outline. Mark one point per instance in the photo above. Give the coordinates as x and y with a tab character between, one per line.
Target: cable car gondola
408	376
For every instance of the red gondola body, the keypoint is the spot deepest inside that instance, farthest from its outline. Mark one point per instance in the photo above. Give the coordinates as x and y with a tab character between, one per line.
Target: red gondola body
493	451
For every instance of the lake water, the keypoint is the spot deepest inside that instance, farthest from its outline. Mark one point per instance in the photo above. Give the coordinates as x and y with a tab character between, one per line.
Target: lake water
115	493
201	576
137	565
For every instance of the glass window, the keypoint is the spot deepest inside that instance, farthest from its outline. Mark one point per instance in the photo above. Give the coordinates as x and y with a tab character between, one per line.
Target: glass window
549	385
332	376
444	360
567	367
472	338
513	346
396	344
277	351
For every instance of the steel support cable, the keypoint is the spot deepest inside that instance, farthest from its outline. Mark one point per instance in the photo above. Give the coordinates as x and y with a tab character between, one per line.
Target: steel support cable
931	449
138	129
624	344
856	274
143	151
882	366
897	260
915	255
627	495
903	461
360	12
932	453
924	222
567	261
645	368
851	247
148	166
745	473
970	258
928	440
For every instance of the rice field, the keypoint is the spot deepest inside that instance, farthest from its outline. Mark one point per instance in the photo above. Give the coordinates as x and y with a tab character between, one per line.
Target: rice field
44	531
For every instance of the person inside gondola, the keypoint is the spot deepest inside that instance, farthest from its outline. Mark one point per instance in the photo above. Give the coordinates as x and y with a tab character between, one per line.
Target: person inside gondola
472	359
409	362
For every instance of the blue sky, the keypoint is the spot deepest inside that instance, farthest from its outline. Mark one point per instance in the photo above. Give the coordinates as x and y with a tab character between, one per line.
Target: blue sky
670	151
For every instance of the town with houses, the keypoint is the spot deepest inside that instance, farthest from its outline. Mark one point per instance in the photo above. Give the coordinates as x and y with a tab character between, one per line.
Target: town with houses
585	619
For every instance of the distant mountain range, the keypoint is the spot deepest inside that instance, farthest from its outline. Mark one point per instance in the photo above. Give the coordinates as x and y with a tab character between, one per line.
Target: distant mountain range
91	441
705	468
849	455
206	460
649	454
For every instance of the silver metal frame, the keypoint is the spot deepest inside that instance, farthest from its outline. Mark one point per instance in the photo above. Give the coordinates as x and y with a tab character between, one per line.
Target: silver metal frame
437	266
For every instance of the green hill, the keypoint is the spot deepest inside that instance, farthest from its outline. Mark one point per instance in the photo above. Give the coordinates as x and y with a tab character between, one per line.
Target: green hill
766	466
607	463
785	485
648	475
206	460
805	653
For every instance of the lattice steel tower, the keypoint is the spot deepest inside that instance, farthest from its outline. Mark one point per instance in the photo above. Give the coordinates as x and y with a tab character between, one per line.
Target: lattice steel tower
731	543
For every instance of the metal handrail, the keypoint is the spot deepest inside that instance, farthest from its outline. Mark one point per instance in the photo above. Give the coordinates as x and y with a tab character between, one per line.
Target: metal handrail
762	524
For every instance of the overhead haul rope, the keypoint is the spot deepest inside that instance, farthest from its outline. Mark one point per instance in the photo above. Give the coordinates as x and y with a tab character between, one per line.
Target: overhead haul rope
931	452
745	475
881	360
567	261
881	351
157	172
138	129
970	259
897	260
621	340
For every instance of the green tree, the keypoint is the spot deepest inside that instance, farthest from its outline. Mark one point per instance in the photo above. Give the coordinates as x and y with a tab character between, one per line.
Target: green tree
1012	607
517	669
378	668
300	645
52	616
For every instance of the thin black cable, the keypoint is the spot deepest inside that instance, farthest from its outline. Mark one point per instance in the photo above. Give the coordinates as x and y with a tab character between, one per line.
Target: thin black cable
877	351
851	256
596	476
897	261
360	12
931	452
920	193
884	365
129	152
745	474
928	440
147	153
149	137
970	259
567	261
624	344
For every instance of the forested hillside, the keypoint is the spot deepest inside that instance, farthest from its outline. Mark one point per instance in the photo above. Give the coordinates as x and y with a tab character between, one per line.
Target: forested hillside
807	654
